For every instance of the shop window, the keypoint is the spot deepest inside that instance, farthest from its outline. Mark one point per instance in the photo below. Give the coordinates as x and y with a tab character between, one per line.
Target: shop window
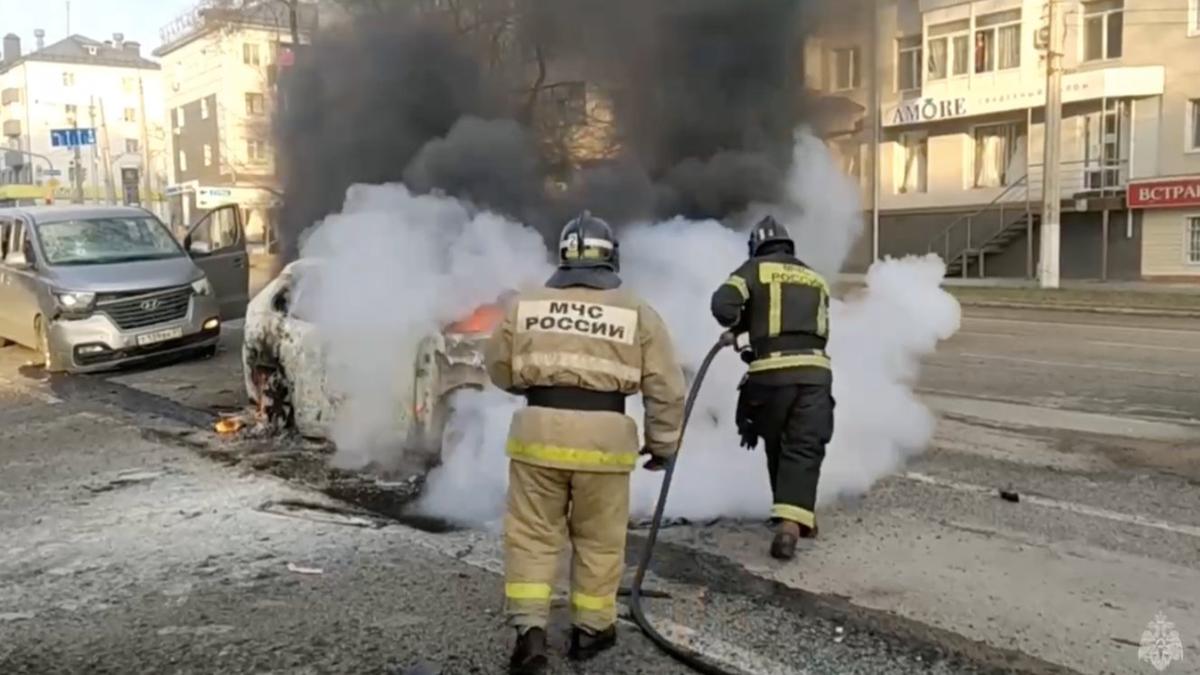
912	162
999	154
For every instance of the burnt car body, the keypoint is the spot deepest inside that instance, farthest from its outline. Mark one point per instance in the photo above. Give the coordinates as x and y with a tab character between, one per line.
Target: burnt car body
285	365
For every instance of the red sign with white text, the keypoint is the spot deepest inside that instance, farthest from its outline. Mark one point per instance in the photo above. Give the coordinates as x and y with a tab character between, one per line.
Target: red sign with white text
1165	194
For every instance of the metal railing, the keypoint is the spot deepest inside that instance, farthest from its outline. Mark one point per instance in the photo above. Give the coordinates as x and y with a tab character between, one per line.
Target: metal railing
960	235
971	233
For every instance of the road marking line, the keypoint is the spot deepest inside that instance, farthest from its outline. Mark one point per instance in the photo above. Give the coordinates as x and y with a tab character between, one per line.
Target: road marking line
1071	507
1046	324
1143	346
1068	364
1103	343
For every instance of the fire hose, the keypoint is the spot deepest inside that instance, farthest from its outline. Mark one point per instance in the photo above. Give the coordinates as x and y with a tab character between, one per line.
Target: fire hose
688	657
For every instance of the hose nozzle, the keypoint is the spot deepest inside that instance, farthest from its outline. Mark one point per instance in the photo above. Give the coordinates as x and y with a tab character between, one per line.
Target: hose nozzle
727	339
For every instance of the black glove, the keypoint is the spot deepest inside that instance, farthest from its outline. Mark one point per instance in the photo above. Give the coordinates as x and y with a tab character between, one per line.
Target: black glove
747	355
655	463
749	440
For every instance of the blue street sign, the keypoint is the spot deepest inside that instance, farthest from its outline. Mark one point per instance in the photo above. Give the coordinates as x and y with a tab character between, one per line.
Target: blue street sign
72	137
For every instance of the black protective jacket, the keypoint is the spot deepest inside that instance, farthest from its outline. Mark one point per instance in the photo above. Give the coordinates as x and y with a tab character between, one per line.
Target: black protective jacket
784	307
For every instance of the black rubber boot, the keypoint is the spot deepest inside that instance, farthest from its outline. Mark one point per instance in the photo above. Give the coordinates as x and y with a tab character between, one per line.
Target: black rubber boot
529	656
784	545
586	644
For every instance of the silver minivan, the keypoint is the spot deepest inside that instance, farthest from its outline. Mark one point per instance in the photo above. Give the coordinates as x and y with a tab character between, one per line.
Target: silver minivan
96	287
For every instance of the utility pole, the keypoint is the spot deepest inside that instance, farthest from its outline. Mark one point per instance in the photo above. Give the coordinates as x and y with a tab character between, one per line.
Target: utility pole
876	122
78	177
95	149
105	154
1048	262
147	186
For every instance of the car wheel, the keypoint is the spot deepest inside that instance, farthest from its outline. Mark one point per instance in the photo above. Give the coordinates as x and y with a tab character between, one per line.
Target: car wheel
48	362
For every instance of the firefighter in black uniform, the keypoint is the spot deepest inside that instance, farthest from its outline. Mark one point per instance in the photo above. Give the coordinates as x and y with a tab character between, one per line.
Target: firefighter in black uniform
786	397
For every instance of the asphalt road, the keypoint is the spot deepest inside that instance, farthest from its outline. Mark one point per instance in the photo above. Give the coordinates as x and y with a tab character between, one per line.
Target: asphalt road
127	552
1121	365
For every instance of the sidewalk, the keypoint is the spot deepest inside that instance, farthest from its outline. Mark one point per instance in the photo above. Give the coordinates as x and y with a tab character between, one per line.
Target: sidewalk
1109	297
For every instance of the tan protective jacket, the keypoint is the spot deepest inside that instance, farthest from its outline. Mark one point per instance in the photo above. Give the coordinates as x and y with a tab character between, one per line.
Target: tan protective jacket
599	340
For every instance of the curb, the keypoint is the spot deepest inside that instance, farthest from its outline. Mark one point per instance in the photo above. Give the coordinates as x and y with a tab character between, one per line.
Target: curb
1090	309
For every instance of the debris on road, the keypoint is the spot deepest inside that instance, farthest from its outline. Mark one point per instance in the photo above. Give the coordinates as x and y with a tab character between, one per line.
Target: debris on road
125	479
1010	496
321	513
293	567
229	425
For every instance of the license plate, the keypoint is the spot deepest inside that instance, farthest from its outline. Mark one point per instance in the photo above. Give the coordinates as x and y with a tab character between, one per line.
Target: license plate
159	336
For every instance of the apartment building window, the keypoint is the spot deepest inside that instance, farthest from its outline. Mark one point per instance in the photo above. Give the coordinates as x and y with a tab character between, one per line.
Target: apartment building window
1193	247
71	110
256	150
130	115
998	41
208	155
1103	29
999	154
68	79
179	117
1194	124
255	104
912	162
251	55
203	108
132	145
949	49
183	160
908	63
845	69
1194	18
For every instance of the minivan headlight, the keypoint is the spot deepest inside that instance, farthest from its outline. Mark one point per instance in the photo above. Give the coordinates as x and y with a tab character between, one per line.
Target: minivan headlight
74	301
202	286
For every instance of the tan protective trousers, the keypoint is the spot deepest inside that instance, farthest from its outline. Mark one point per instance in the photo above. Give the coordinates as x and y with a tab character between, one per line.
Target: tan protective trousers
546	507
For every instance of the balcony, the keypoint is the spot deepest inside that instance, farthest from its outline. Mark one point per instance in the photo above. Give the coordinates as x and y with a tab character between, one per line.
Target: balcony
10	95
12	128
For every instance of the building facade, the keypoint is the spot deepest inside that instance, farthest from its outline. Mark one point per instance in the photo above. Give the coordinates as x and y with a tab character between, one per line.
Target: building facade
81	83
962	86
221	68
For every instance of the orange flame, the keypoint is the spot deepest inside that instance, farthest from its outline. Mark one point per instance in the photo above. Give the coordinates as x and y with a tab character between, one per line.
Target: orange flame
228	425
483	320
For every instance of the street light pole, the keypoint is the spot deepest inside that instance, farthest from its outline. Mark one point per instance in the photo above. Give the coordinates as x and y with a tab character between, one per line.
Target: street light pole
1048	261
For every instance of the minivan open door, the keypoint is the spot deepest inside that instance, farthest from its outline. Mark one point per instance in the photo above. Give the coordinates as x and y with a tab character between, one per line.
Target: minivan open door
217	244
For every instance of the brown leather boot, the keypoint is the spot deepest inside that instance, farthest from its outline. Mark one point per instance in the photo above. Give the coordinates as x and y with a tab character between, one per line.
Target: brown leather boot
529	656
787	533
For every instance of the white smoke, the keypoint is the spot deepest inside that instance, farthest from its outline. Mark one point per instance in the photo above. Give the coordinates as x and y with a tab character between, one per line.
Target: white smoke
399	266
395	268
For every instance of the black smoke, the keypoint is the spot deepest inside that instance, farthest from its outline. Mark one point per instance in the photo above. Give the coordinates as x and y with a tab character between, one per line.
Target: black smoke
704	97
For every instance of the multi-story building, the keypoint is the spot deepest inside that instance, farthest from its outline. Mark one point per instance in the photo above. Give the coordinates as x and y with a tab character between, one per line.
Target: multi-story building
221	68
961	131
81	83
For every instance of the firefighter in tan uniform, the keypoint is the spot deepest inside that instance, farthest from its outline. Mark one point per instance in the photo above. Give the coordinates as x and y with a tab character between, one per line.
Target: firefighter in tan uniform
575	350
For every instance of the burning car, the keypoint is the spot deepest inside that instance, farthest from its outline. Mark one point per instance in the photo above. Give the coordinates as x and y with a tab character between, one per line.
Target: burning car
285	365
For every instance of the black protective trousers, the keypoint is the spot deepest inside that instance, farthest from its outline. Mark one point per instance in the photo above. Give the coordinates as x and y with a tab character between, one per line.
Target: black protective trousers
795	421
